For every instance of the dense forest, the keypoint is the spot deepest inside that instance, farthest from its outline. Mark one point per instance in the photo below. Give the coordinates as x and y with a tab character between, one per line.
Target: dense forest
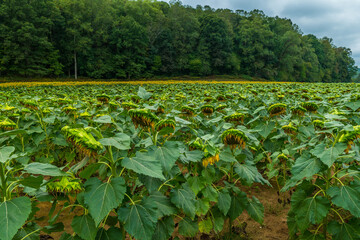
143	39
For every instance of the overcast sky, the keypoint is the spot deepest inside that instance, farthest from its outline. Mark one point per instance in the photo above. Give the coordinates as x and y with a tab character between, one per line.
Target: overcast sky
336	19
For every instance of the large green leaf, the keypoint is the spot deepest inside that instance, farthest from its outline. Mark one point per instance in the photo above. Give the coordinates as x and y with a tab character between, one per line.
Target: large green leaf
13	214
120	141
224	201
239	203
84	226
45	169
311	210
112	233
184	198
143	94
344	231
329	155
144	164
140	220
5	153
164	228
163	203
256	210
347	197
102	197
191	156
188	228
249	173
167	155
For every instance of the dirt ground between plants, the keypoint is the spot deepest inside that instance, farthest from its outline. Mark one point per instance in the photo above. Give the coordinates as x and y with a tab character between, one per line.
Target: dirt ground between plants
273	228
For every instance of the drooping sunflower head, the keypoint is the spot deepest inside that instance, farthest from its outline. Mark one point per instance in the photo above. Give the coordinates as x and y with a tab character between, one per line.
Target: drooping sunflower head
298	111
135	98
82	140
235	117
234	138
316	98
282	158
310	106
85	115
277	109
143	118
8	108
165	123
113	105
30	104
160	109
69	110
319	124
103	98
66	184
305	96
207	109
208	99
290	129
129	105
196	144
7	124
220	107
187	110
210	159
221	98
349	137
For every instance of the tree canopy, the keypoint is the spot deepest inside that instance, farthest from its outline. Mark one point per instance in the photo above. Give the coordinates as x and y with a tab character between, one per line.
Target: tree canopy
135	39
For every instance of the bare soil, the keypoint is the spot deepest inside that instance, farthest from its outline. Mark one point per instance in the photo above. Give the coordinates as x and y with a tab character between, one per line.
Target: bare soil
244	228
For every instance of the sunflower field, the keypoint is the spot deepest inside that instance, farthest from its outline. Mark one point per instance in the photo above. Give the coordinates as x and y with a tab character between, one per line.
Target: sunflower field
170	161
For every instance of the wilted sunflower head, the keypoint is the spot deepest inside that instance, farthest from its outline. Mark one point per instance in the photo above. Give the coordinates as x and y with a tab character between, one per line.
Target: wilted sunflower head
310	106
319	124
135	98
349	137
207	109
69	110
129	105
196	144
234	138
82	140
282	158
66	184
220	107
290	129
103	98
221	98
235	117
160	109
165	123
143	118
187	110
299	111
7	124
30	104
277	109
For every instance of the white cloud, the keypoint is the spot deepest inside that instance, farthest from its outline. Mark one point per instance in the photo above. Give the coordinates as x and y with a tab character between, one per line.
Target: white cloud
336	19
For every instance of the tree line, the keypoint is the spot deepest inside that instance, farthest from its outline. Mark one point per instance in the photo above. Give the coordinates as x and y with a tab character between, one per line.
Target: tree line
142	39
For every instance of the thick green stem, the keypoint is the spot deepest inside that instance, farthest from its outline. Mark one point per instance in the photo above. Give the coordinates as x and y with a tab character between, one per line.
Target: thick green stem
3	181
112	162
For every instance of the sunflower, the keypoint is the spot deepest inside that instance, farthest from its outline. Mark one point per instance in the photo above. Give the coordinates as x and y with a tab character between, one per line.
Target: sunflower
235	117
65	185
165	123
196	144
207	109
318	124
82	140
187	110
310	106
143	118
103	98
7	124
290	129
282	158
298	111
129	105
234	138
160	109
277	109
210	159
220	107
349	137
